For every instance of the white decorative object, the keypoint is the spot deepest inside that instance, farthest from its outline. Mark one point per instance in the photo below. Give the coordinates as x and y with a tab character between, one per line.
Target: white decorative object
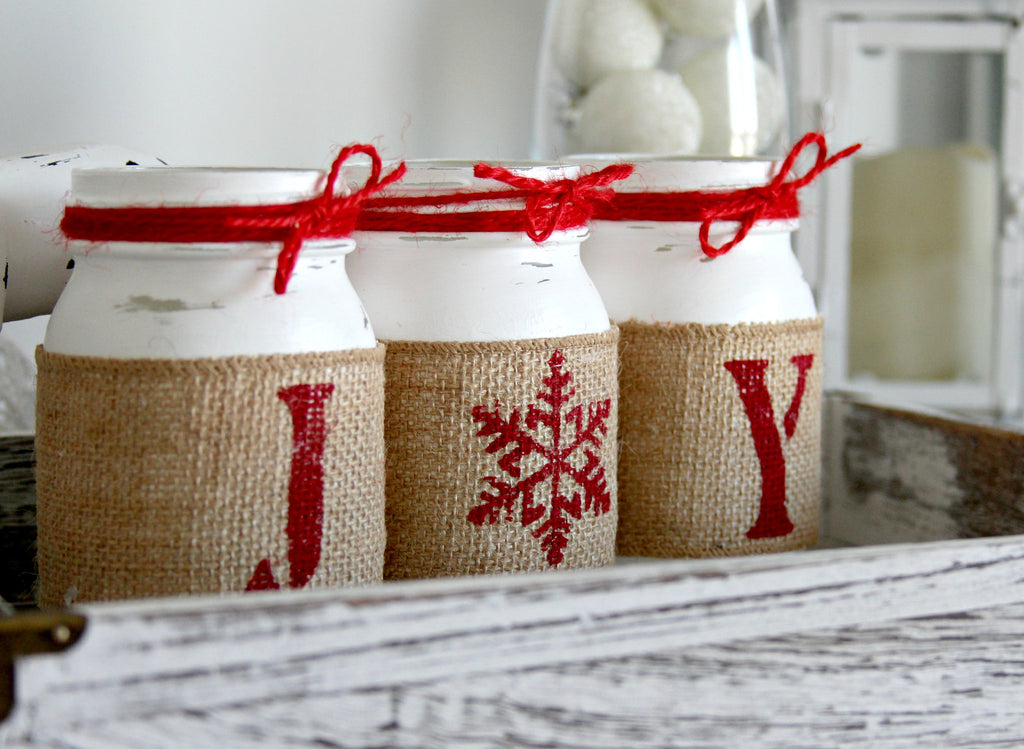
719	333
209	415
740	124
181	301
707	19
608	79
920	306
644	111
33	190
927	306
598	37
495	335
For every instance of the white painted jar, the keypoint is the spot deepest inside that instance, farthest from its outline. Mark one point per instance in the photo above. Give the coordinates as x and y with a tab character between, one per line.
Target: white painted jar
196	431
183	301
479	285
655	271
33	190
478	325
719	419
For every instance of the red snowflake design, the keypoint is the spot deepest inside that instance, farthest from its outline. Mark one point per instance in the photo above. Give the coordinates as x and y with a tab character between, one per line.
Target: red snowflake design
517	438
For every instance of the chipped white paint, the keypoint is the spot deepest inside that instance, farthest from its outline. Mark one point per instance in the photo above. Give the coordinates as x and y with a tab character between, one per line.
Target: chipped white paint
183	664
882	646
894	476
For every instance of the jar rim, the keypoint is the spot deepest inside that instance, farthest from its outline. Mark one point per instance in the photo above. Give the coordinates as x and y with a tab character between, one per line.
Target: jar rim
337	246
192	186
678	173
718	230
481	240
425	176
612	157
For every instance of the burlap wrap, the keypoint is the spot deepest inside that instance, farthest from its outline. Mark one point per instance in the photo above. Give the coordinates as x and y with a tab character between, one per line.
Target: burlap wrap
165	477
690	478
438	465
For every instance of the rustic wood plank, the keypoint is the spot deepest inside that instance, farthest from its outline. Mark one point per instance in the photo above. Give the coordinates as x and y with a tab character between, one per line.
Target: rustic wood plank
948	681
880	646
872	686
17	518
145	659
897	475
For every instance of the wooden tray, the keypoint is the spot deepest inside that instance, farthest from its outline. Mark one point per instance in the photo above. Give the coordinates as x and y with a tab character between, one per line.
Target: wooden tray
912	635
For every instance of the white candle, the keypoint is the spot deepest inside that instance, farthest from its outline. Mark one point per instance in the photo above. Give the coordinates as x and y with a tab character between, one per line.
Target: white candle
921	263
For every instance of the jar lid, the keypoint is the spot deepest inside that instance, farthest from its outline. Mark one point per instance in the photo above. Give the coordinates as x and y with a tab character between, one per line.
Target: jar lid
683	173
192	186
534	198
429	176
199	206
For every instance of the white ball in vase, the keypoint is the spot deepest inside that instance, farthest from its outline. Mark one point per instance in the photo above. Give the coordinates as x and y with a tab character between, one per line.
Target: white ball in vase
741	106
643	111
595	38
707	19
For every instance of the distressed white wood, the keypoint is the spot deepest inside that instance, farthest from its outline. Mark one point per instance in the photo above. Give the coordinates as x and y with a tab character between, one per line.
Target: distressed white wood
143	660
904	476
882	645
881	686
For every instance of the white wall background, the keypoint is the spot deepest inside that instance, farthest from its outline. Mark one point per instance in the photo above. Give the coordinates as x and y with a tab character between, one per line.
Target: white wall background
267	82
270	82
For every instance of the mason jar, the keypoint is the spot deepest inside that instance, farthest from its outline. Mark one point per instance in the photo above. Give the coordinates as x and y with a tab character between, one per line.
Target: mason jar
196	431
501	401
720	378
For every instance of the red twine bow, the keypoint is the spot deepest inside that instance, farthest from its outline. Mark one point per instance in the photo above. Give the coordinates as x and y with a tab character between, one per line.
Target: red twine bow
326	216
776	200
561	203
331	215
548	206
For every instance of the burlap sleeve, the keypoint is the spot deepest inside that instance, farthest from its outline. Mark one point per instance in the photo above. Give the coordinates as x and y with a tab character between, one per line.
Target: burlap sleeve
475	483
720	430
165	477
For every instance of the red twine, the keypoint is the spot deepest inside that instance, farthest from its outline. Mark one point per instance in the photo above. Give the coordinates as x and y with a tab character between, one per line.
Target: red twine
326	216
776	200
548	207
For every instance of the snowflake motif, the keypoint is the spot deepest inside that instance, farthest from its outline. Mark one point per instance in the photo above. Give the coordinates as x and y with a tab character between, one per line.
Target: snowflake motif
513	437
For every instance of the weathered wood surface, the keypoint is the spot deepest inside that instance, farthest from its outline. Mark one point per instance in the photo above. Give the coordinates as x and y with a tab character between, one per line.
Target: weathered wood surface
881	645
172	661
919	683
894	475
17	518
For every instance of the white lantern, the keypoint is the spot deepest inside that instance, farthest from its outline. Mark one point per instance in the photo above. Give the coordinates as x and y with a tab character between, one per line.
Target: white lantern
915	249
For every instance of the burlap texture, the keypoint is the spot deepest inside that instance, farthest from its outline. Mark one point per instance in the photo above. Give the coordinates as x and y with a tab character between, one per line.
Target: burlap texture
166	477
438	465
690	480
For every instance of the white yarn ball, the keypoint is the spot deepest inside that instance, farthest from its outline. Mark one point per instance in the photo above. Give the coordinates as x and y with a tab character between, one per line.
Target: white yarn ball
641	111
728	130
594	38
707	19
